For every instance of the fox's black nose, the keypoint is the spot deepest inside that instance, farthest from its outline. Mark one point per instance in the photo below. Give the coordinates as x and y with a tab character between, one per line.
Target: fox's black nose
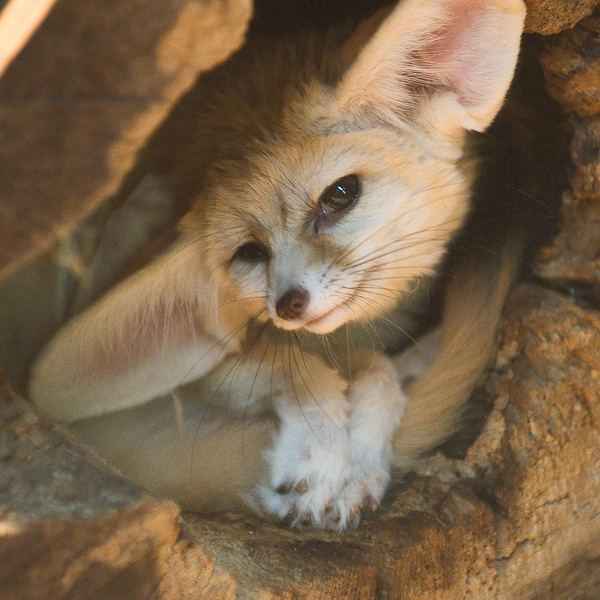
292	304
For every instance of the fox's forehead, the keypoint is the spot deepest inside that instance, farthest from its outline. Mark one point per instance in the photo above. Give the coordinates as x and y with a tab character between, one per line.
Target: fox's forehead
282	182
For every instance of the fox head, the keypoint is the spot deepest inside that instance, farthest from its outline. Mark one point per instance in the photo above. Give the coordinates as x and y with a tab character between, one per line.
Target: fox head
358	179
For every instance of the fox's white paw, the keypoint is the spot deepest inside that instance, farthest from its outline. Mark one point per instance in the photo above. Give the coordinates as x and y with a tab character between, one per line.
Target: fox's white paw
362	494
324	477
327	501
309	468
331	497
330	461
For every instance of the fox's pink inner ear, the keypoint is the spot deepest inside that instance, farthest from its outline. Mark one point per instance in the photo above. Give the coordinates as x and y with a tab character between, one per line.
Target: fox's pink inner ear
449	62
451	56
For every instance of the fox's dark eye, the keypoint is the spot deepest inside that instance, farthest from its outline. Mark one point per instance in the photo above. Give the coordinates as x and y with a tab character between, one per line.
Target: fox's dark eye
251	252
336	199
341	194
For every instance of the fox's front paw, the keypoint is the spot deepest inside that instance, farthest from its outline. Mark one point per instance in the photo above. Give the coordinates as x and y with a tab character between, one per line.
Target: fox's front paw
362	493
309	469
314	484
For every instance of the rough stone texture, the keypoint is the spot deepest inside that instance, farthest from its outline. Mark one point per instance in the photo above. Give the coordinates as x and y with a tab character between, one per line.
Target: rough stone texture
572	69
544	433
517	518
572	63
70	527
409	548
551	16
84	95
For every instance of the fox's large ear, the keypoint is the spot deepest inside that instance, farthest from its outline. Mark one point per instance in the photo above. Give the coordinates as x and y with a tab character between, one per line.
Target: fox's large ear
150	334
447	63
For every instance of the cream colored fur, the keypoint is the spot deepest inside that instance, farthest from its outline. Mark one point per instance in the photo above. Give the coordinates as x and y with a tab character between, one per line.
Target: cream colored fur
298	429
465	343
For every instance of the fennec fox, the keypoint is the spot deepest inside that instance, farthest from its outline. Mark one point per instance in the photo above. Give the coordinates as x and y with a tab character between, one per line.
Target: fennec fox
332	174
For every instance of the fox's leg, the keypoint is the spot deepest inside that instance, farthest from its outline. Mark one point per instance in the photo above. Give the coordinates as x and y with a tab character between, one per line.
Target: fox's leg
377	403
205	460
149	335
378	399
331	458
308	459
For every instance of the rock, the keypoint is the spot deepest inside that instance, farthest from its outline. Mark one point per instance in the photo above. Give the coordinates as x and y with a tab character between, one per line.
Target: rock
551	16
572	70
572	66
540	450
84	95
71	527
